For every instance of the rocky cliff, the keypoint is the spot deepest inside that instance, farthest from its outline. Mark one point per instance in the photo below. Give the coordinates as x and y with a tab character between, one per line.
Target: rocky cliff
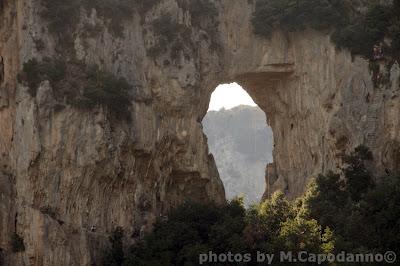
241	143
69	175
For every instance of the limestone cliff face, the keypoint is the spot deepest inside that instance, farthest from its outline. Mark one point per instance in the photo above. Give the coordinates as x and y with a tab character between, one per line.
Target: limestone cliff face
65	170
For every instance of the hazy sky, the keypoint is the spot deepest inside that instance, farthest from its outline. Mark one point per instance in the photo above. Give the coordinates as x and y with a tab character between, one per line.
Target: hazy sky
229	96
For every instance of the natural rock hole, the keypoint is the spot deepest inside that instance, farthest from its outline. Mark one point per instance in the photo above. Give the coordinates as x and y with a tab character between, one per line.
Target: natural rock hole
240	140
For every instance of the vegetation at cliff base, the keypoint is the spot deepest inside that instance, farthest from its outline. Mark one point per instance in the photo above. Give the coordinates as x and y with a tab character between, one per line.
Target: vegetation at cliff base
353	214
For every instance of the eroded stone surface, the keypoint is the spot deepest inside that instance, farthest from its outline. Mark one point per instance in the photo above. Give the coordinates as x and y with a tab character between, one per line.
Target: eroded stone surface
64	170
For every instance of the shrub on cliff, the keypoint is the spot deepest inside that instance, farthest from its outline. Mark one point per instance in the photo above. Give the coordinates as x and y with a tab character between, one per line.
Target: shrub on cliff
63	16
34	72
169	34
360	35
104	89
145	5
200	10
81	86
355	31
17	243
294	15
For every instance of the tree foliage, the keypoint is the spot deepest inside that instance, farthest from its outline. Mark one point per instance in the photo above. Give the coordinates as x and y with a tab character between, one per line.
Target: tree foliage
294	15
356	31
327	219
104	89
193	229
34	72
115	255
364	215
361	34
63	16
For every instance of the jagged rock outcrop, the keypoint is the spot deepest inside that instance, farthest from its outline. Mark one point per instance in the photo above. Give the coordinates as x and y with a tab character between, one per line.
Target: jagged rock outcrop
64	170
241	143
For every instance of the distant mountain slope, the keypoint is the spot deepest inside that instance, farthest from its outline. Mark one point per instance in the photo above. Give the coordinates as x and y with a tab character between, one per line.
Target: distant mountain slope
242	144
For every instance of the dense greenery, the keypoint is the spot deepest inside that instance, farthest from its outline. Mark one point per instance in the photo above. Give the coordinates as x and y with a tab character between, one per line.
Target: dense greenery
195	228
293	15
145	5
329	218
34	72
364	215
361	34
103	88
169	34
115	256
17	243
79	85
63	16
356	32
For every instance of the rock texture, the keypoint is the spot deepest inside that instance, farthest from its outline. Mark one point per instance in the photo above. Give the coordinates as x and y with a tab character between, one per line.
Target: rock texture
62	171
242	144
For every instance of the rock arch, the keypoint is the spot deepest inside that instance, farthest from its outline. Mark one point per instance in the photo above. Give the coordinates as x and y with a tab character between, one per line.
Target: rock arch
90	170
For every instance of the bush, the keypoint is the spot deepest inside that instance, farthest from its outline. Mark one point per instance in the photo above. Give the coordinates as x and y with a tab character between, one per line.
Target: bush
17	243
34	72
361	35
294	15
356	32
103	88
79	85
115	256
145	5
169	34
363	215
200	10
358	179
193	229
63	16
327	219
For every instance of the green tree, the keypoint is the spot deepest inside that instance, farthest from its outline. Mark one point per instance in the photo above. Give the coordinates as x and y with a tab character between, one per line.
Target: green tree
294	15
325	199
358	178
115	256
300	234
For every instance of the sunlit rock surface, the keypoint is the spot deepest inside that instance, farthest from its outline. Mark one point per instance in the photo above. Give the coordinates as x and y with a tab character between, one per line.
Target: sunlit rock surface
63	171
